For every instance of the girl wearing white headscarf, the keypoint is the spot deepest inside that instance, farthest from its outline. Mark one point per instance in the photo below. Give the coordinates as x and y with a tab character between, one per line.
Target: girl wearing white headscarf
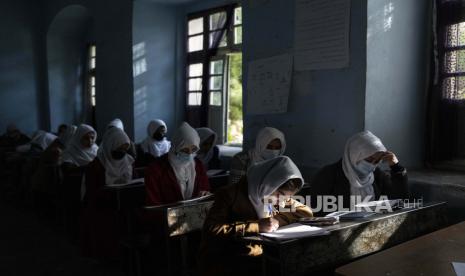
66	136
43	140
114	157
156	143
208	152
177	175
239	210
358	172
77	153
269	143
117	123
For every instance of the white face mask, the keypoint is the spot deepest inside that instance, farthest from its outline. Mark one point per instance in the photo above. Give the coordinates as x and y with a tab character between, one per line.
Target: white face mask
364	168
270	154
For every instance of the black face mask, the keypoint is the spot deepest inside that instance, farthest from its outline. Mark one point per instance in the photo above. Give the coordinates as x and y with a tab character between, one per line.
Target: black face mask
118	155
158	136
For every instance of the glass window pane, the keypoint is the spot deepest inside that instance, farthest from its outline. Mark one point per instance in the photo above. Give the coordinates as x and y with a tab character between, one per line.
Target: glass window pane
93	101
215	98
196	70
223	42
217	20
92	63
216	83
92	91
238	16
93	51
194	99
455	35
453	88
455	62
216	67
195	43
195	26
238	35
195	84
92	81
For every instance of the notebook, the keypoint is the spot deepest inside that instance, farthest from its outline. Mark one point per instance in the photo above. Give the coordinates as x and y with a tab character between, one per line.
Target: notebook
295	231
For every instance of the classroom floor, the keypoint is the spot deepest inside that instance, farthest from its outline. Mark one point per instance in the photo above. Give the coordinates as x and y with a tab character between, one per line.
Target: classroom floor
29	246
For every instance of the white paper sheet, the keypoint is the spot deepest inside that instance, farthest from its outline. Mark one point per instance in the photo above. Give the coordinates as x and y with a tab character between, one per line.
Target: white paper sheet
459	268
268	84
294	231
321	39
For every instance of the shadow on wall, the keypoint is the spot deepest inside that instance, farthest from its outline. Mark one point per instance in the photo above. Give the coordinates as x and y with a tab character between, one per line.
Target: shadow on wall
68	37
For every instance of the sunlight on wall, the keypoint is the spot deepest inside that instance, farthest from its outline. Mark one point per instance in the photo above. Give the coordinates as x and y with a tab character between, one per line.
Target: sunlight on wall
139	62
388	14
381	20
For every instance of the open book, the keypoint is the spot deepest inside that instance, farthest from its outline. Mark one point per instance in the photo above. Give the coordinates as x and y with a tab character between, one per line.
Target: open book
132	182
295	231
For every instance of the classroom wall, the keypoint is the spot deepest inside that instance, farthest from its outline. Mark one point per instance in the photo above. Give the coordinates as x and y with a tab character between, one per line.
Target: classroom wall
325	107
20	101
154	65
66	54
397	75
113	34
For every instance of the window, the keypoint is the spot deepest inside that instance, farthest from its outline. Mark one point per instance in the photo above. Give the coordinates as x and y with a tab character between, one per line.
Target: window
453	86
214	43
91	73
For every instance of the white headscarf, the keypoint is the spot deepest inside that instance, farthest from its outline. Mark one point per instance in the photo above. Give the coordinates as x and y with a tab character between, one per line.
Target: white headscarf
43	139
116	123
65	138
357	148
204	134
185	136
152	146
266	177
115	170
264	137
75	153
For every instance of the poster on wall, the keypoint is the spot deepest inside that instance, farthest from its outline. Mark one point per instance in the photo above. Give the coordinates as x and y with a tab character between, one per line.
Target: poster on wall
268	84
321	38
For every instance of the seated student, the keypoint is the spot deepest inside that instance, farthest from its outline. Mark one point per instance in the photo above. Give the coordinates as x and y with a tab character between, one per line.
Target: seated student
66	136
113	165
81	149
13	138
117	123
239	210
177	175
358	172
156	144
208	152
40	141
61	130
269	143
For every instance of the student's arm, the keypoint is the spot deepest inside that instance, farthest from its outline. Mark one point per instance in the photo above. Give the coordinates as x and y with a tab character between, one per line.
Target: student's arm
238	169
152	186
297	210
395	183
202	177
218	223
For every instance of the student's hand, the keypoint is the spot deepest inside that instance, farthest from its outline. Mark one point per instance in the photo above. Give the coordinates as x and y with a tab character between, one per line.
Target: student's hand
390	158
267	225
204	193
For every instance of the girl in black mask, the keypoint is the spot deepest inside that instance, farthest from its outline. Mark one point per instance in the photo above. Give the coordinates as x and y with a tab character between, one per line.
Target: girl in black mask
156	143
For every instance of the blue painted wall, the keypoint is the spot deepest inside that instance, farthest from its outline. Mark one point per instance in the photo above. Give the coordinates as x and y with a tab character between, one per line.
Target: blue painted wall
325	107
154	63
19	98
397	74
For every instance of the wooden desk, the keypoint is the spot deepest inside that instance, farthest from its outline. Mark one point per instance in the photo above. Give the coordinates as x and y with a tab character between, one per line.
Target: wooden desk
431	254
350	240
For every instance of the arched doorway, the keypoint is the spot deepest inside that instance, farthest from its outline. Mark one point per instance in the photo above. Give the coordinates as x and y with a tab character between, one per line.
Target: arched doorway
68	39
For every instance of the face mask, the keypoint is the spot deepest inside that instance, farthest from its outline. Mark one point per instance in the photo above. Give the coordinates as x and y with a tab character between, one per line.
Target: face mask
118	155
364	168
270	154
185	157
158	136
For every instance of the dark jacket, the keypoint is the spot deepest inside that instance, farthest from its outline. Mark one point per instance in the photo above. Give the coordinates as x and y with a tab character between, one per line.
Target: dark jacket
331	180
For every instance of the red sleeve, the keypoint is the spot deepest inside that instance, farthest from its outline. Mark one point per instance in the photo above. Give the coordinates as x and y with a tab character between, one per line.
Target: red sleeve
152	186
202	177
